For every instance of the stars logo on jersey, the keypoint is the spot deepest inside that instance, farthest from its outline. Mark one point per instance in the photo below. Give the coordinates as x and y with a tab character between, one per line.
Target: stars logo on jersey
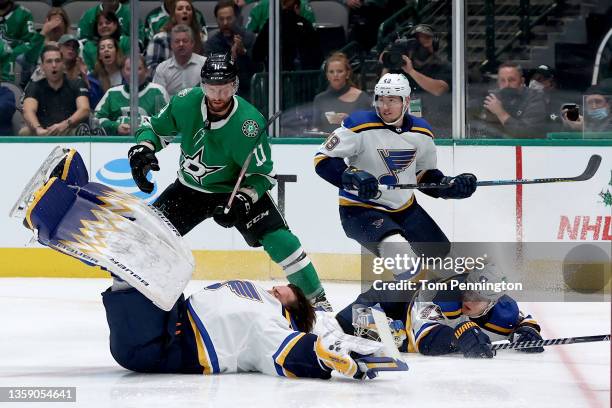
195	166
396	162
183	92
250	128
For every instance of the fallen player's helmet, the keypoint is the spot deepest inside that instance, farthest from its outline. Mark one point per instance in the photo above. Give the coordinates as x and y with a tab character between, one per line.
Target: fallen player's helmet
393	85
363	323
219	69
491	275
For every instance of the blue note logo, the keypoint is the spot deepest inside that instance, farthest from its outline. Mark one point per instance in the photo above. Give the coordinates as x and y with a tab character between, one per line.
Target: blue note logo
396	161
117	174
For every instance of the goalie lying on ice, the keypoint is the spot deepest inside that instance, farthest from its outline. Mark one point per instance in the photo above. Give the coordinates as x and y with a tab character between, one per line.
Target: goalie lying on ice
231	326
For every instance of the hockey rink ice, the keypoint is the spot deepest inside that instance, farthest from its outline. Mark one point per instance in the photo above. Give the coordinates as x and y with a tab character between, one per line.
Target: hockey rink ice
54	333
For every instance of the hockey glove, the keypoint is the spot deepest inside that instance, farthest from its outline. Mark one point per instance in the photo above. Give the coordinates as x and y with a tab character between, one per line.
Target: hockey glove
472	342
360	180
241	206
526	333
142	159
461	186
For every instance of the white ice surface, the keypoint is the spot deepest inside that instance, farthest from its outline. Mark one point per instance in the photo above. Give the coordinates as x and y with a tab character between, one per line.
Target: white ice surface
53	332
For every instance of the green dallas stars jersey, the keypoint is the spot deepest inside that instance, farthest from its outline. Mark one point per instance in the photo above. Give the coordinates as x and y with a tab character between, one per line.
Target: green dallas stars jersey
17	28
87	22
211	158
114	107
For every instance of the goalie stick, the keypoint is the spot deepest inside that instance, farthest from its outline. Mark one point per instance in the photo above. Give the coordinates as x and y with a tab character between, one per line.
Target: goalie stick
550	342
588	173
245	166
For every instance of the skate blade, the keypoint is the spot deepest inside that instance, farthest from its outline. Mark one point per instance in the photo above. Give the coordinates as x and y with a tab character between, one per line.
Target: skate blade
39	178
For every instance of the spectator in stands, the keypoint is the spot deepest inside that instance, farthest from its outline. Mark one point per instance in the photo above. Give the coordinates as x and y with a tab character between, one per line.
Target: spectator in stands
597	113
341	97
74	67
366	16
54	105
107	71
514	110
300	49
88	22
7	109
106	25
182	70
7	65
260	12
429	76
160	49
17	28
231	38
56	25
158	18
113	111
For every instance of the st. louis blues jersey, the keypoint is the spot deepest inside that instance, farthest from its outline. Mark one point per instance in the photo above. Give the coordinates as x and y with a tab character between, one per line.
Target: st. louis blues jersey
394	155
429	311
240	327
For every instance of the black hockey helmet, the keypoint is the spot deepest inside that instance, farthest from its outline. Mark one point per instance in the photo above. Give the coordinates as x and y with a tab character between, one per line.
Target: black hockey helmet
219	69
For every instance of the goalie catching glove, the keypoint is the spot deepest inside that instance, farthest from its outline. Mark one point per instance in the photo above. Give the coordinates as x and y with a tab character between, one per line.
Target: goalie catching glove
142	160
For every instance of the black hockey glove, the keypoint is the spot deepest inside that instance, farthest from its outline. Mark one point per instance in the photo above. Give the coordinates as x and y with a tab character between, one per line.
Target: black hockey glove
360	180
472	342
241	206
526	333
142	159
462	186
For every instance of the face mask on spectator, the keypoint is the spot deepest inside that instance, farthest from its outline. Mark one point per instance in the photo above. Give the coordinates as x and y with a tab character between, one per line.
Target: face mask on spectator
536	85
598	114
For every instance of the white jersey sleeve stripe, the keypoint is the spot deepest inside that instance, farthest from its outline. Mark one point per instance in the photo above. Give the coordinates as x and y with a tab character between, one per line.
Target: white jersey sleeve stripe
283	351
208	345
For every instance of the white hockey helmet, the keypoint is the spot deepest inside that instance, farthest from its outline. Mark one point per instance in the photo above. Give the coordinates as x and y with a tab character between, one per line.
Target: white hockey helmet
490	274
393	85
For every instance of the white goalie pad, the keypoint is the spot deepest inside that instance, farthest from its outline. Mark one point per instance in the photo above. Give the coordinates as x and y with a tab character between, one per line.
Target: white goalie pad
102	226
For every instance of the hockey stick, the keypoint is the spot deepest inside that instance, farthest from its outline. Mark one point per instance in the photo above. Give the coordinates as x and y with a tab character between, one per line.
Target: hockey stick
550	342
588	173
247	162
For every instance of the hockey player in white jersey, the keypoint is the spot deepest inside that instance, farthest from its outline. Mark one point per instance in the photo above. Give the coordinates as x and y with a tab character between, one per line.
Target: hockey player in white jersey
440	322
227	327
388	146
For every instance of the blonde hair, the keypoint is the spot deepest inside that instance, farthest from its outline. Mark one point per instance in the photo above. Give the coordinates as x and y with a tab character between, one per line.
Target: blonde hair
341	57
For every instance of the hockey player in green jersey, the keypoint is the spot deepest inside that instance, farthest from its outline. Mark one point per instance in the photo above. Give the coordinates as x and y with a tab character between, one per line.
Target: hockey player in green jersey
219	130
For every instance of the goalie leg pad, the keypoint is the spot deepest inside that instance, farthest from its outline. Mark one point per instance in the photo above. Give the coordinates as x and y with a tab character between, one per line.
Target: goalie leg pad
95	234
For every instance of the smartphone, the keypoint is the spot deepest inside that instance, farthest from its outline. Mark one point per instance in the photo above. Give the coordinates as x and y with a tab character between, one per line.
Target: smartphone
573	111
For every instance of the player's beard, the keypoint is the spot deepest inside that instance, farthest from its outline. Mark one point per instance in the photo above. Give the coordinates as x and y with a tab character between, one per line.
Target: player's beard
218	109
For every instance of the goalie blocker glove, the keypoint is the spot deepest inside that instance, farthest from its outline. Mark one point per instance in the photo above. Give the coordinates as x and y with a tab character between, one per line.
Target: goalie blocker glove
142	160
472	342
362	181
461	186
241	206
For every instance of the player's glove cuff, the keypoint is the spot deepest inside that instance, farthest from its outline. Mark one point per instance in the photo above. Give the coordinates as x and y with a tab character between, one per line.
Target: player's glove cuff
142	160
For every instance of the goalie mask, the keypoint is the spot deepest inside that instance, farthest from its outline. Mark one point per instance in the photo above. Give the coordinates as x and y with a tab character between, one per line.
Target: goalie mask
363	323
392	85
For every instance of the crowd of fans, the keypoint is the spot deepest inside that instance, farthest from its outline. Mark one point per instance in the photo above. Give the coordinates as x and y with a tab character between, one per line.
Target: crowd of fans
70	77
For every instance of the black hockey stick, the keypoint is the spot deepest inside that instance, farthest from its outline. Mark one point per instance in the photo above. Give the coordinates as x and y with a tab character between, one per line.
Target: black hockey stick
550	342
588	173
245	166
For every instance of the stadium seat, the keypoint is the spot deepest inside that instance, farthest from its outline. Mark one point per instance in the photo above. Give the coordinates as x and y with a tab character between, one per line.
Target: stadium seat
145	7
331	12
76	9
207	8
39	11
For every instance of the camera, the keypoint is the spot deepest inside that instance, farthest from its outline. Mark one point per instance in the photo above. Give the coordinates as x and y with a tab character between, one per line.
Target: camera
572	111
392	58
